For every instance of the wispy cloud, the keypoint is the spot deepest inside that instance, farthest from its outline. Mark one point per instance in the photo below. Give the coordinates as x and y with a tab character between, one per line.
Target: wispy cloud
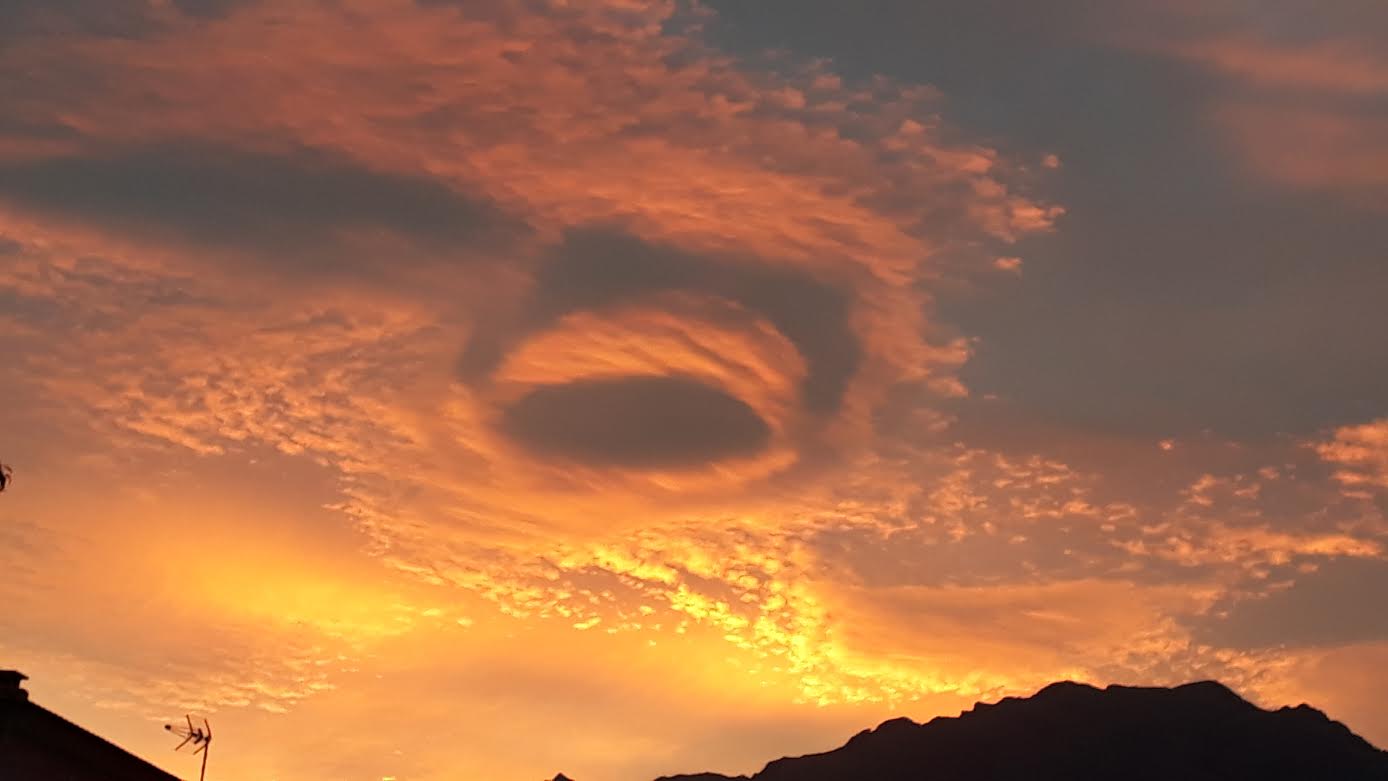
1303	110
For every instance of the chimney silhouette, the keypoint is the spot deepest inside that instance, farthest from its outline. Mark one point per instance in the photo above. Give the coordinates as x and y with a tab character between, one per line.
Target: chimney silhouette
10	688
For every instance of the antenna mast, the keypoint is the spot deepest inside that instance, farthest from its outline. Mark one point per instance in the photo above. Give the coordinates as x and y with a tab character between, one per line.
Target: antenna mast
200	737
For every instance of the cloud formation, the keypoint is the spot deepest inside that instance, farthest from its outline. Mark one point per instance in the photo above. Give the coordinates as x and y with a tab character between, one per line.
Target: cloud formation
290	207
1304	109
635	422
498	359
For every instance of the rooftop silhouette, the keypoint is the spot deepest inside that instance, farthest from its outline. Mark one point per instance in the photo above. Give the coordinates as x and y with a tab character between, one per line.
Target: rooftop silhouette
39	745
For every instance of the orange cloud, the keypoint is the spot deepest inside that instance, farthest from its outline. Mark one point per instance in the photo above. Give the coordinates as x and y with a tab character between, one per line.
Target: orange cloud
1360	454
648	133
1022	634
438	253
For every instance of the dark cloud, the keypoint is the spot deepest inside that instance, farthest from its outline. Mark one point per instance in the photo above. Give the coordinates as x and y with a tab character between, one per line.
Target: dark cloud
114	18
208	8
635	422
103	18
1249	322
1340	604
1178	294
288	208
597	269
15	128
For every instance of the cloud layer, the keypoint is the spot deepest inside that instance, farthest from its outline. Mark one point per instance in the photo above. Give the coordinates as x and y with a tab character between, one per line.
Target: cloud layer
545	365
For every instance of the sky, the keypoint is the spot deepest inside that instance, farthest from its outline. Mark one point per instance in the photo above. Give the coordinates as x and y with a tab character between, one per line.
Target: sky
430	389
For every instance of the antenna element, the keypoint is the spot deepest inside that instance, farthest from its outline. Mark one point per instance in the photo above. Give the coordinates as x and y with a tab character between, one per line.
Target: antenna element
200	737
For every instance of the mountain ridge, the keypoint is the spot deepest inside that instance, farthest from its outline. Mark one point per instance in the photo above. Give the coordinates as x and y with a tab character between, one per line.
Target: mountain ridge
1201	731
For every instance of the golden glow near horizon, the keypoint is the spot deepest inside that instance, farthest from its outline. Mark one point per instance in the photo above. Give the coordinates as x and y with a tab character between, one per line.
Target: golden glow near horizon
432	390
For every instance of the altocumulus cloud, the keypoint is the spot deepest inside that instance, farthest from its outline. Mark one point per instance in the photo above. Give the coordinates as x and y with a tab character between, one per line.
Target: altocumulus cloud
639	341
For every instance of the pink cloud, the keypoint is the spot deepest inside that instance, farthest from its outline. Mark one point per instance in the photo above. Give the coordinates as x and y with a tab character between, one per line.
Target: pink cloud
1339	67
1300	113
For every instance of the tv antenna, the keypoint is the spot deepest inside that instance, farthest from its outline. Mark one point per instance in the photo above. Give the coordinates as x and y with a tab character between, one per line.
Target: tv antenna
6	477
200	737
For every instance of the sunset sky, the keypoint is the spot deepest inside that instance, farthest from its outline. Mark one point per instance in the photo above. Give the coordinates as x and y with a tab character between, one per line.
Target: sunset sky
482	389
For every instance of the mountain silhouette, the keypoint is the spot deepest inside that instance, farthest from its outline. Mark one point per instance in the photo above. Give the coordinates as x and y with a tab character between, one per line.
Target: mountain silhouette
1072	731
